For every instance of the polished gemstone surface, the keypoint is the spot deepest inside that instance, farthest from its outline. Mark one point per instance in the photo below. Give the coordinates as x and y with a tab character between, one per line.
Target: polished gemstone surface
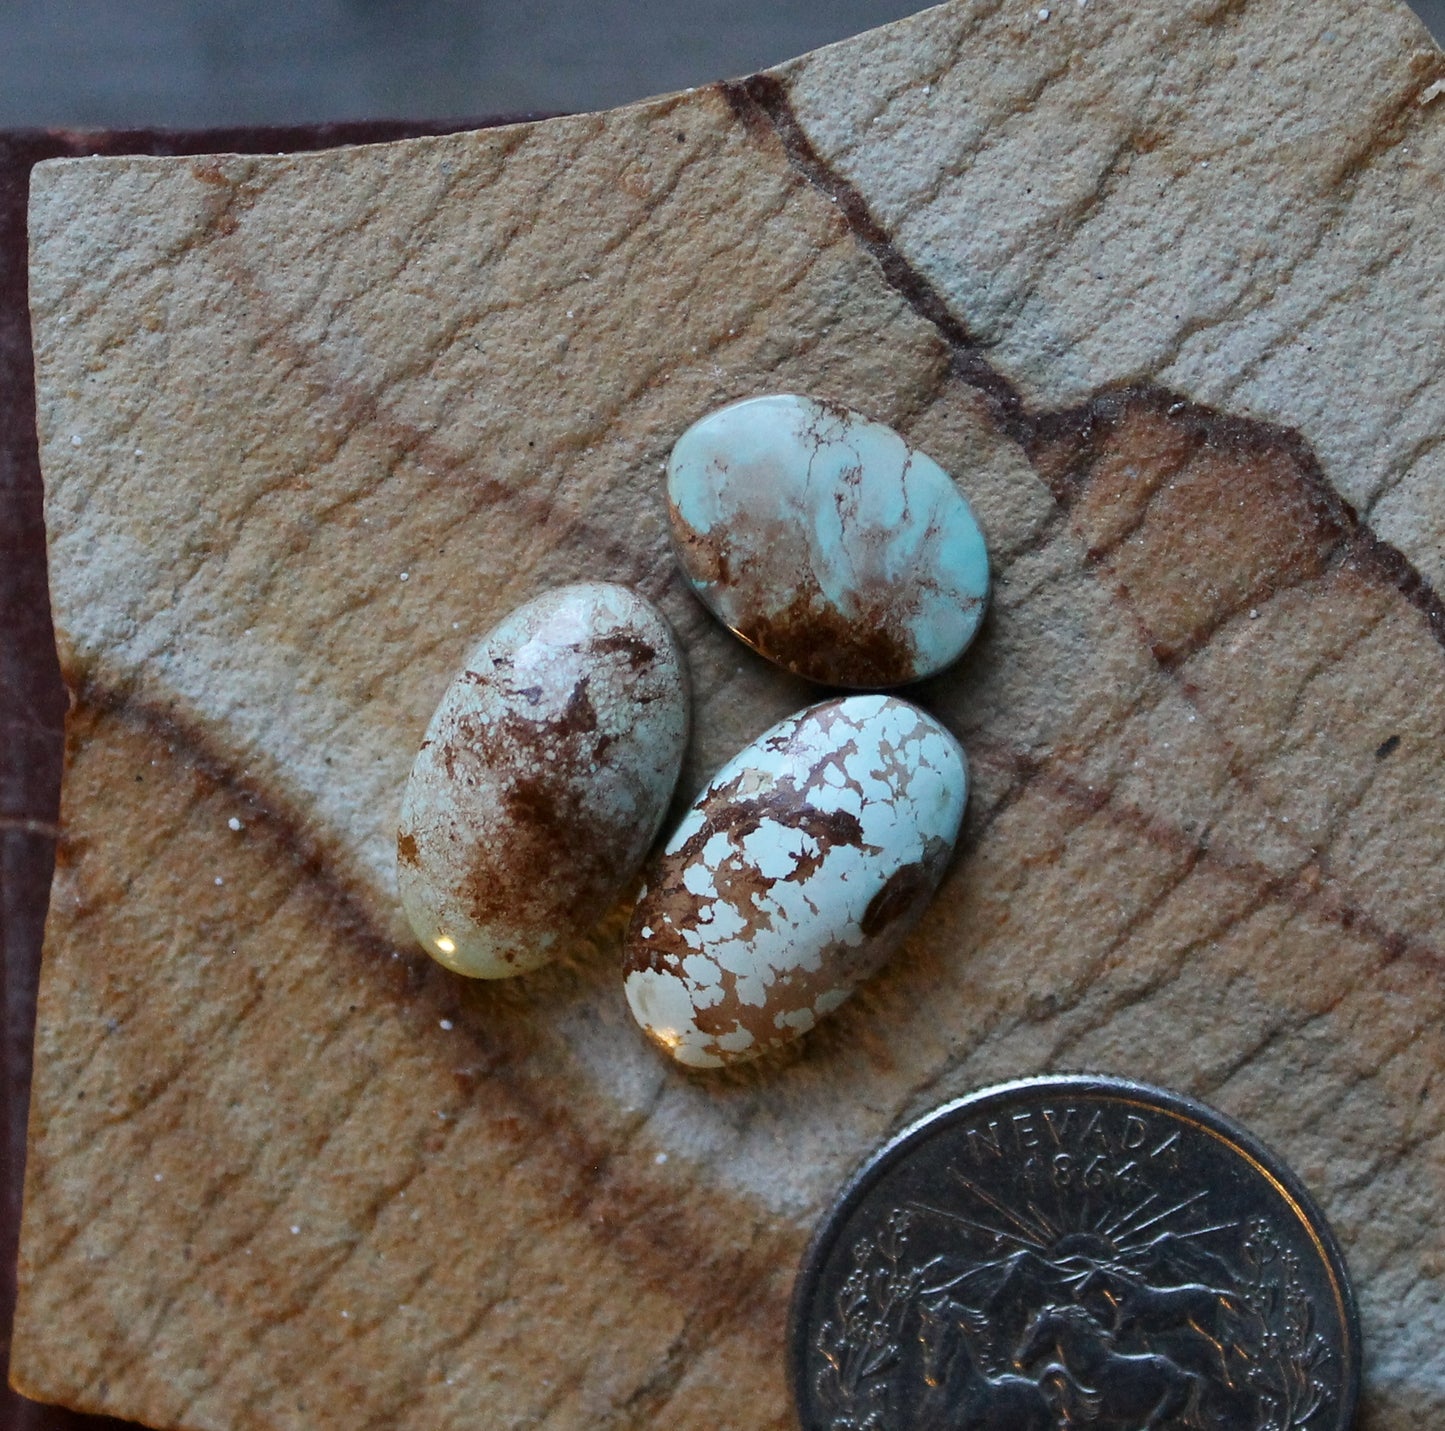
794	875
542	781
826	542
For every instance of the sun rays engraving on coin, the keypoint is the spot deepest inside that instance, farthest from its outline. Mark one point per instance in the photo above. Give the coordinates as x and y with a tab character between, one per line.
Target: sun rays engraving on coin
1075	1252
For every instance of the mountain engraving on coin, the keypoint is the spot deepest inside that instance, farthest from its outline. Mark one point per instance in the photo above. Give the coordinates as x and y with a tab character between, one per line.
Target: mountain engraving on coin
1075	1252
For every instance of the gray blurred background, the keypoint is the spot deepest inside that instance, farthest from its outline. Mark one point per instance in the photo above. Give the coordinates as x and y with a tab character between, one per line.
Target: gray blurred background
123	63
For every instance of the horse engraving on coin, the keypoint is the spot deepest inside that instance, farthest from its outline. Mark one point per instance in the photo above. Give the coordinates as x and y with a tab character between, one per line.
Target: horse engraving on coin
1075	1252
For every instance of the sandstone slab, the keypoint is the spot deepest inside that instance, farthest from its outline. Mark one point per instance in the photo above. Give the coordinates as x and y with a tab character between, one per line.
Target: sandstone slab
32	696
1162	277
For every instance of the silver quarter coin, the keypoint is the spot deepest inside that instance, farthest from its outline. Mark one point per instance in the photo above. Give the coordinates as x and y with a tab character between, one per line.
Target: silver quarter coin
1068	1252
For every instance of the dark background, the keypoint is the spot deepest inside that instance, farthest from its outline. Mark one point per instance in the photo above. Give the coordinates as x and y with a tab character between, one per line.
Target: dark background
207	62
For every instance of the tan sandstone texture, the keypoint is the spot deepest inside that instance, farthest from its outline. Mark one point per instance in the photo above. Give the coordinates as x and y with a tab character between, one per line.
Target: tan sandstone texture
1159	281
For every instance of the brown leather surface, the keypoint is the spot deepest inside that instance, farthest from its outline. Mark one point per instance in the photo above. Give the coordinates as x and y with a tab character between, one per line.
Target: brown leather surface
32	699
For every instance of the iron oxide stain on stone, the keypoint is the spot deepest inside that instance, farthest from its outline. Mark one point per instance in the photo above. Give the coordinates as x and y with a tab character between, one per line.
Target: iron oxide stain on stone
826	542
542	781
793	876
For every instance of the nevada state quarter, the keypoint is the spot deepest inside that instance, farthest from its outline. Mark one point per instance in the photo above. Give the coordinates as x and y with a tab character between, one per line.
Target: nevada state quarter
1075	1252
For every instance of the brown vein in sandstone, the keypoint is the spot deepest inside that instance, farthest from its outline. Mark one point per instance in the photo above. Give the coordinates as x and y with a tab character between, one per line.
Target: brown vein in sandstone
1291	886
423	982
1382	131
360	410
1078	434
348	910
761	103
1067	447
641	1221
